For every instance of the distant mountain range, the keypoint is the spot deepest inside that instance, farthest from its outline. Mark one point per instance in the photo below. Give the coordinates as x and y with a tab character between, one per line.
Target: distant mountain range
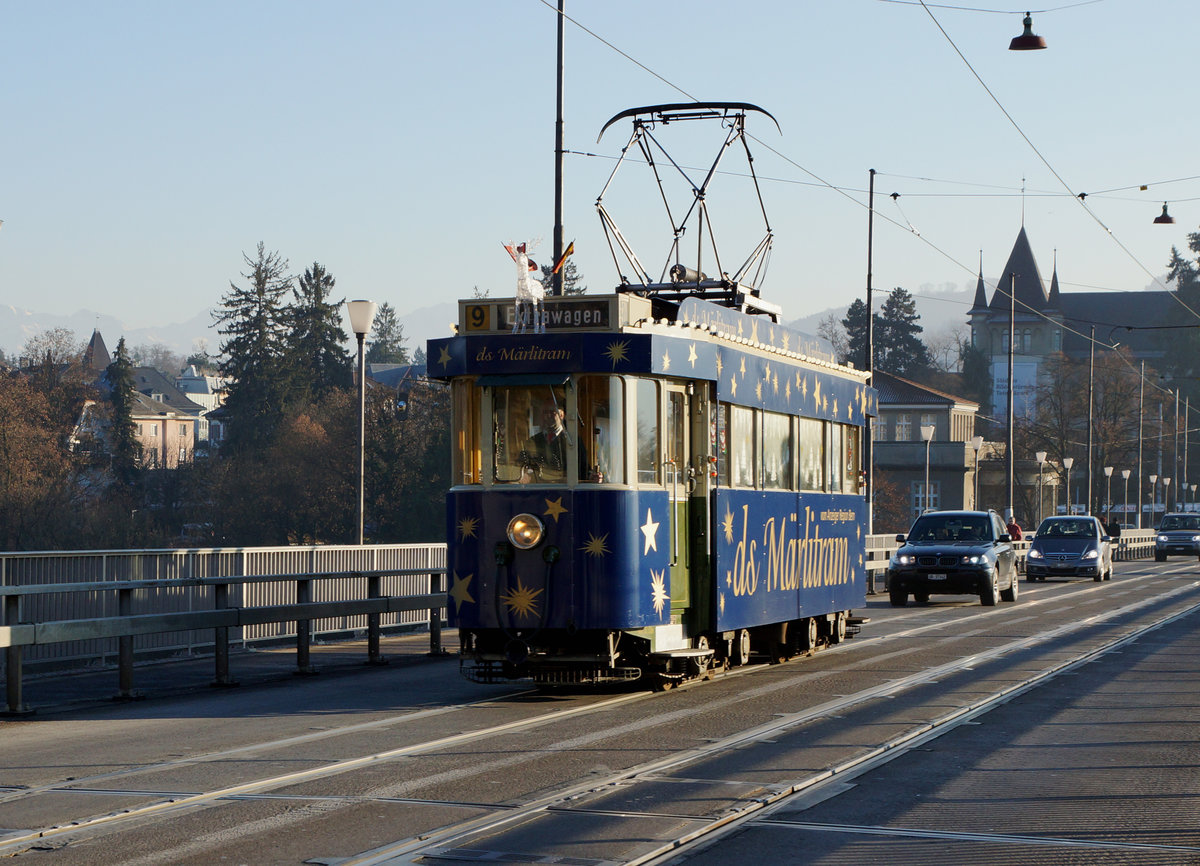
938	312
17	325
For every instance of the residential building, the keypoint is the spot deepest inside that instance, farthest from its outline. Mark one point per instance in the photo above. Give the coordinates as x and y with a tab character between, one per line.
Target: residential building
899	450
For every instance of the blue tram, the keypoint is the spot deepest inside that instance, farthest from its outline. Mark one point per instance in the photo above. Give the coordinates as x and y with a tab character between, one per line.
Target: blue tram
656	485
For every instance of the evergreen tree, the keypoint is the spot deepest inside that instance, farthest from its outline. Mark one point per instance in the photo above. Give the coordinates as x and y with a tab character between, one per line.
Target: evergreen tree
855	324
571	278
387	338
255	322
897	341
315	359
124	447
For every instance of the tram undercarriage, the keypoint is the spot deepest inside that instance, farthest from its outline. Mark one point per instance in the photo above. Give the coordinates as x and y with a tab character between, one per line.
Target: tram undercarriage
564	657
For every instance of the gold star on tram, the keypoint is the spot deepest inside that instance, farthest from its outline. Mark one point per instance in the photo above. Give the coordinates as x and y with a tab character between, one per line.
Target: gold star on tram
444	356
460	592
617	352
727	526
658	591
554	509
817	393
522	601
692	356
596	546
720	365
733	386
467	527
666	360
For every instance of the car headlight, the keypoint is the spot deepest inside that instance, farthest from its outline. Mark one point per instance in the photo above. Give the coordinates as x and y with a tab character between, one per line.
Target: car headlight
972	559
1034	553
525	531
1091	554
1163	539
904	559
1196	538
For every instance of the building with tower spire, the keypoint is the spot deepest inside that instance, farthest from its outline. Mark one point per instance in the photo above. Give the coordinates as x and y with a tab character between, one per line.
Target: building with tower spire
1047	322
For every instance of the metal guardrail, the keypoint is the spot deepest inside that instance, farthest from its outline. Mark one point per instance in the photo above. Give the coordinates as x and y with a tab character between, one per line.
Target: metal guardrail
222	615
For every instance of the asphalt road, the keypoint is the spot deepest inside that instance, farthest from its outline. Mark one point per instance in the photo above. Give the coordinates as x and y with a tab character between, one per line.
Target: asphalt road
1059	729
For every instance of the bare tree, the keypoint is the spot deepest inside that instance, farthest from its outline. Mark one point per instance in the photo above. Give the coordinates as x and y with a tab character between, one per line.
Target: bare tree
830	328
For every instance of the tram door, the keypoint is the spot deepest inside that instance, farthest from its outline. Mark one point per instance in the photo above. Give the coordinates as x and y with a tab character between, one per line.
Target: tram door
676	473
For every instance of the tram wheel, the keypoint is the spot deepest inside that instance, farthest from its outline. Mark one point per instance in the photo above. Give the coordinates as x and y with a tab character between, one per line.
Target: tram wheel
837	627
810	634
741	647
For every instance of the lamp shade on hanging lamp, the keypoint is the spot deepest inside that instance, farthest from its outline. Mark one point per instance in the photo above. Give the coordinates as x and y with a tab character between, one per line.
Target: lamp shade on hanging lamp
1028	40
1164	219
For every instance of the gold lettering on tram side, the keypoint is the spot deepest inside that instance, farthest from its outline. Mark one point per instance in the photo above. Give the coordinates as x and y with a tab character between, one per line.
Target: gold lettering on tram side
799	558
745	572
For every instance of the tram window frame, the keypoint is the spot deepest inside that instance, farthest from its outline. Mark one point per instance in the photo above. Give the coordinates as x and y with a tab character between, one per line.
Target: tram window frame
812	454
780	477
648	448
720	444
601	436
852	452
515	417
467	413
837	469
742	433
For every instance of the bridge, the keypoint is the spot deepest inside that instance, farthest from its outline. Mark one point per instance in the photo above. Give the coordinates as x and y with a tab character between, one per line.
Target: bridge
1057	729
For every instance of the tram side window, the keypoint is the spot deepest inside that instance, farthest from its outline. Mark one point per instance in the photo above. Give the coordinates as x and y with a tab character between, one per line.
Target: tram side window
531	435
741	445
812	454
647	431
601	429
467	460
777	451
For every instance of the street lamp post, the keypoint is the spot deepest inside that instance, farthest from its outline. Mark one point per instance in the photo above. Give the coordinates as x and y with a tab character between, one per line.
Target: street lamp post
1125	474
927	431
362	315
1193	486
1067	463
1153	497
1041	462
1108	492
1166	493
976	443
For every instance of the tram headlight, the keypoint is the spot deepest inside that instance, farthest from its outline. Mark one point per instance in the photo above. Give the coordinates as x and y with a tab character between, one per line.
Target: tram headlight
525	531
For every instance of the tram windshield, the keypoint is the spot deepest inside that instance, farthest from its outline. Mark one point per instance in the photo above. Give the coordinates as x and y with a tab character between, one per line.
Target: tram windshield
539	437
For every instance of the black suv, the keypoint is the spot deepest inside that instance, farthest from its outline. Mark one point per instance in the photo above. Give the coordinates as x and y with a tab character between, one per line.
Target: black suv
954	552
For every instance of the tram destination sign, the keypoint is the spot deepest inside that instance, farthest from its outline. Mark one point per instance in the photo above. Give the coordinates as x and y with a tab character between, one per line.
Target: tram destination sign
561	314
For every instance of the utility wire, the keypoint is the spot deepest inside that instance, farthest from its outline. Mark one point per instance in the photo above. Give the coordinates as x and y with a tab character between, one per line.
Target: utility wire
820	181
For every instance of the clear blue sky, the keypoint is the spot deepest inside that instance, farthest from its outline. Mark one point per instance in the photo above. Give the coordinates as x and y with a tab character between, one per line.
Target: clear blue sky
147	144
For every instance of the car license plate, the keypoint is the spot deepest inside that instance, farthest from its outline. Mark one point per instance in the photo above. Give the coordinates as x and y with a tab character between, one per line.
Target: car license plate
936	576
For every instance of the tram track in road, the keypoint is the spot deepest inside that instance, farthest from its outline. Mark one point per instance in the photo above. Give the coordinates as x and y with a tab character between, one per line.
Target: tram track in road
445	842
171	803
